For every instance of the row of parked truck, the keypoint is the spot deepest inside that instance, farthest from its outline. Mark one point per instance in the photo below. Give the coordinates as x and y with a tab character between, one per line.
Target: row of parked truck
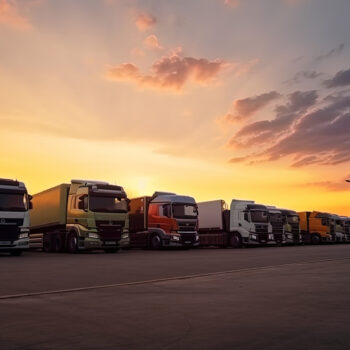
90	215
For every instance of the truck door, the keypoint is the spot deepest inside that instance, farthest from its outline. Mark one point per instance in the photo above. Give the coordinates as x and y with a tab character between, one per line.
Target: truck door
159	216
76	215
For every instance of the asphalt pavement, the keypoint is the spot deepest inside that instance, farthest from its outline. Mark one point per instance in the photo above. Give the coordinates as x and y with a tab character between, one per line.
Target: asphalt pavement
258	298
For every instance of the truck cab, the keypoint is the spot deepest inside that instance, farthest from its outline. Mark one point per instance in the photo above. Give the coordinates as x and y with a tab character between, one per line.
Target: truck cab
251	222
277	224
14	217
291	226
163	220
316	227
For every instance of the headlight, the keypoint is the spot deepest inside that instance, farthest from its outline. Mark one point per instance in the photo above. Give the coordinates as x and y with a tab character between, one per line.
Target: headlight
197	237
271	237
175	238
23	235
93	235
253	237
125	236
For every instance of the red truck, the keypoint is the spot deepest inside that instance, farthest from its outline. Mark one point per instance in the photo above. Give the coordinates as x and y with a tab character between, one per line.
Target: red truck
163	220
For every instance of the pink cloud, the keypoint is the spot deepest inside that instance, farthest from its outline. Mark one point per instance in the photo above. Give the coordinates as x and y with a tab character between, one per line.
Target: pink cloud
232	3
145	21
11	16
170	72
152	42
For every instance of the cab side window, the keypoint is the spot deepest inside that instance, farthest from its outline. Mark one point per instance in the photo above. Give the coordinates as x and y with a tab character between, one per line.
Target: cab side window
164	210
246	217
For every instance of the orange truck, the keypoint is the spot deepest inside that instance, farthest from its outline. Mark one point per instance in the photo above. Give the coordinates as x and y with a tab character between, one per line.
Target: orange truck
316	227
163	220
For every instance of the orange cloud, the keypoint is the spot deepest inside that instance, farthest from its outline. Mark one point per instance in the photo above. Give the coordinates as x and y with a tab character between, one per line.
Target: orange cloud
232	3
152	42
170	72
11	16
145	21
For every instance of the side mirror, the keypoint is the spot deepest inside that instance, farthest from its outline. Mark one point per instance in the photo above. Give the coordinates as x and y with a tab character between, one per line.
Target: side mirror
30	204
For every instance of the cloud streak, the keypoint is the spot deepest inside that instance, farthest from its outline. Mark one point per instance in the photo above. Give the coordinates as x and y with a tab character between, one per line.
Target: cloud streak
341	79
310	132
242	109
334	52
266	131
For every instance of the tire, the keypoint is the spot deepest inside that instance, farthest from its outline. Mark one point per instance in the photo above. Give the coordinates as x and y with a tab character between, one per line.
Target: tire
315	239
236	241
58	243
72	244
156	242
16	253
111	251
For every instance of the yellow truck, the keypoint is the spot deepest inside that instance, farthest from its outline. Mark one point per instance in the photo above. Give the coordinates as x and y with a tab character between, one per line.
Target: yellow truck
316	227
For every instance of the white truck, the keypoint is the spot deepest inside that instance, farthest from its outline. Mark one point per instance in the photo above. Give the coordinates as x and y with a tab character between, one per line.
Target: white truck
245	223
14	217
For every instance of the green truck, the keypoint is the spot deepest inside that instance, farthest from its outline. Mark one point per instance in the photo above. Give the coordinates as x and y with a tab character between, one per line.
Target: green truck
82	215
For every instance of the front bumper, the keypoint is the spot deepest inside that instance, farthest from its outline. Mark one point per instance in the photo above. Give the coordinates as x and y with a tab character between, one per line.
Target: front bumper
20	244
260	239
293	238
182	239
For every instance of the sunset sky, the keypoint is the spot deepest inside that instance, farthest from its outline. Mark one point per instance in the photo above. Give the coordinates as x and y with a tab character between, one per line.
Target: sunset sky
217	99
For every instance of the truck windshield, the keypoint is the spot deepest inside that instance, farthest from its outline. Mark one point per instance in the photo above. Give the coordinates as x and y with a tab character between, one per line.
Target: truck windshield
275	217
184	211
258	215
293	219
13	202
107	204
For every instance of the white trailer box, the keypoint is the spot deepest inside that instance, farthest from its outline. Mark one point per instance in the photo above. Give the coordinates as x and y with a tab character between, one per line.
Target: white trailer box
210	215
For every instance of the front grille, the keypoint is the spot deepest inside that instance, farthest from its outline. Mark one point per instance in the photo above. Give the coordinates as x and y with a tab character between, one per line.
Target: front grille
295	229
188	237
262	237
277	226
110	230
11	222
261	229
9	232
187	226
278	237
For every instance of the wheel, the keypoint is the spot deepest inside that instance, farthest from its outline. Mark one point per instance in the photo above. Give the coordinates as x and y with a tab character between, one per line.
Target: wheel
236	240
58	243
16	252
111	250
72	243
315	239
156	242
